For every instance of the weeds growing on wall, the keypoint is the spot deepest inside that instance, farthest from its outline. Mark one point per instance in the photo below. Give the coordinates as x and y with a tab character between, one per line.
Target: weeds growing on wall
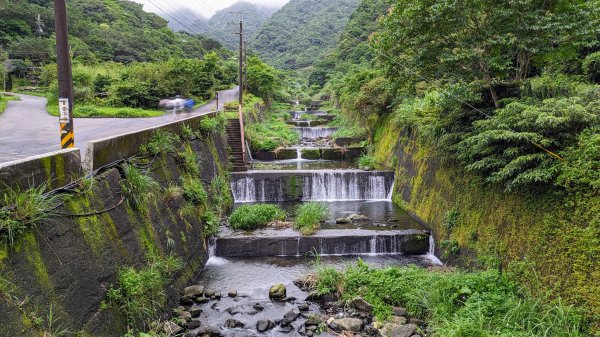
366	162
220	194
24	209
189	161
249	217
140	293
211	223
212	125
137	187
193	190
161	142
309	216
454	303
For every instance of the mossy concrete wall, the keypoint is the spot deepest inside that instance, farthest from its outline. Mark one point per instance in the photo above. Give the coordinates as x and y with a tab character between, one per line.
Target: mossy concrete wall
56	169
550	240
69	263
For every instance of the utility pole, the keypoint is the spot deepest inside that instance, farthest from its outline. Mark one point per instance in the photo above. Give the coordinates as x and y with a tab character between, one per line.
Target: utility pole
241	61
245	64
65	76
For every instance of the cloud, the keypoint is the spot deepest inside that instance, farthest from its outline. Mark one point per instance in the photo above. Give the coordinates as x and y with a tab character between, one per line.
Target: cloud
205	8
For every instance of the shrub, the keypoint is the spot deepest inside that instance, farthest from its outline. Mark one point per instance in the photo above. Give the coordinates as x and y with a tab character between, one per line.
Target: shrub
138	188
249	217
211	125
455	303
24	209
211	223
140	293
193	190
161	142
449	248
582	166
309	216
221	194
270	135
366	162
591	67
188	160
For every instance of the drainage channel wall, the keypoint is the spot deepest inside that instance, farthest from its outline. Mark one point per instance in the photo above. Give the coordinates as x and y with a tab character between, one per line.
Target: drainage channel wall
69	261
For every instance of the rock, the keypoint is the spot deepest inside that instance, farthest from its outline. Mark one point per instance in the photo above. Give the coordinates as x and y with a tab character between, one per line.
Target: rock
416	321
303	307
186	301
342	220
171	328
218	296
193	291
349	324
277	292
232	293
313	296
358	217
209	293
195	324
361	305
233	310
286	328
291	299
209	331
185	316
258	307
399	320
397	330
290	316
264	325
338	304
399	311
415	335
233	323
195	313
312	321
310	333
201	299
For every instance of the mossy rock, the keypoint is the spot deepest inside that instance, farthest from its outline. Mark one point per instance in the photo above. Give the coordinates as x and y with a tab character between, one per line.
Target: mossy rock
332	154
283	154
311	154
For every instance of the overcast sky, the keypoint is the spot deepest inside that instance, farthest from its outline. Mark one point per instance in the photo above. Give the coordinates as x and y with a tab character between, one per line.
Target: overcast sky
204	7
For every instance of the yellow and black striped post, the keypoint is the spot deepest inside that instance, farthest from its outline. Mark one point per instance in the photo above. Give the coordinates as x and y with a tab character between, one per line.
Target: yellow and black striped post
67	138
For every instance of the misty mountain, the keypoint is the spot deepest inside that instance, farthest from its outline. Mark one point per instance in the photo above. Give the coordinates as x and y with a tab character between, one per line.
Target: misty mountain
302	32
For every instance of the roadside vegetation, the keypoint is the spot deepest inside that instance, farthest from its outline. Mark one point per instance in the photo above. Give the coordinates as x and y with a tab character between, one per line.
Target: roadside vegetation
453	302
250	217
309	216
4	99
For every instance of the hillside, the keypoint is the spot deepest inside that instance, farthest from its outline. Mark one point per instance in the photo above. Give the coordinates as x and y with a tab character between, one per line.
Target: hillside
223	24
100	30
302	32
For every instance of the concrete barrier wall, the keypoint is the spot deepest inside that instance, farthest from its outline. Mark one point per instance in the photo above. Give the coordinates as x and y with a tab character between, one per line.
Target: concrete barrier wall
56	169
107	150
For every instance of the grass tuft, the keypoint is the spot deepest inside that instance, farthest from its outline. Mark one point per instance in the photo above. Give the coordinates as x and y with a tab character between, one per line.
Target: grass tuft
137	187
249	217
309	217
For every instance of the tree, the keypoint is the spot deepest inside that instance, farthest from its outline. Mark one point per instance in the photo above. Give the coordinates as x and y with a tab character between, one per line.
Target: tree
488	41
263	80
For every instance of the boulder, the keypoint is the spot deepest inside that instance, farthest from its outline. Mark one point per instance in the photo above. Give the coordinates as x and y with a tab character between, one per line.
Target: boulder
171	328
342	220
277	292
361	305
209	293
233	323
264	325
193	291
303	307
195	313
290	316
195	324
232	293
348	324
398	311
397	330
201	299
358	217
209	331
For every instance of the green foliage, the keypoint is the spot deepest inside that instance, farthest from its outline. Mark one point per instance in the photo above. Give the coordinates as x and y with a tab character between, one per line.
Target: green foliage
591	67
449	248
193	190
161	142
581	169
211	223
301	32
366	162
137	187
189	161
221	196
211	125
22	210
87	111
263	80
456	303
309	216
140	293
451	219
271	134
249	217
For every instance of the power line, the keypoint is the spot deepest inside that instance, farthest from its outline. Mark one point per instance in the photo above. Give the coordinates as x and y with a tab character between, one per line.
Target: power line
169	15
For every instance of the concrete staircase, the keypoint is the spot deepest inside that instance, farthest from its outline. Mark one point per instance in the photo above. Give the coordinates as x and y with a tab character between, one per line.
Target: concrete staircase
234	140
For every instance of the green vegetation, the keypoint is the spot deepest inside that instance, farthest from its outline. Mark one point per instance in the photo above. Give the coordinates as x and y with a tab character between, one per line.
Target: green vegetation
193	190
366	162
455	303
210	125
84	111
249	217
272	133
302	31
138	188
161	142
221	197
140	293
211	223
4	101
309	216
22	210
189	161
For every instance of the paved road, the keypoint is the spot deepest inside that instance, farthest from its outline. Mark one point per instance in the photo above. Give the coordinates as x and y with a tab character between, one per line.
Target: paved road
27	129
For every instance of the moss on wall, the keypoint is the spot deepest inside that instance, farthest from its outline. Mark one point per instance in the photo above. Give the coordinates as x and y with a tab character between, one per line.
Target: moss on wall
549	240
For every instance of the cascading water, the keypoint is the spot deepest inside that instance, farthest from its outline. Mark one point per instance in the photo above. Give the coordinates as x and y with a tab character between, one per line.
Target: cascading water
431	253
348	185
315	132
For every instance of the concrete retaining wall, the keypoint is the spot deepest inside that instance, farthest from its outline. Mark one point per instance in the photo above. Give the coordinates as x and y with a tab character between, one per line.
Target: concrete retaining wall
107	150
56	169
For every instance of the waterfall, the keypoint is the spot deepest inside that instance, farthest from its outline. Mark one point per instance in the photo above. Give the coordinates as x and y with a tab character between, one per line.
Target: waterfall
431	253
248	152
319	185
297	114
315	132
213	259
